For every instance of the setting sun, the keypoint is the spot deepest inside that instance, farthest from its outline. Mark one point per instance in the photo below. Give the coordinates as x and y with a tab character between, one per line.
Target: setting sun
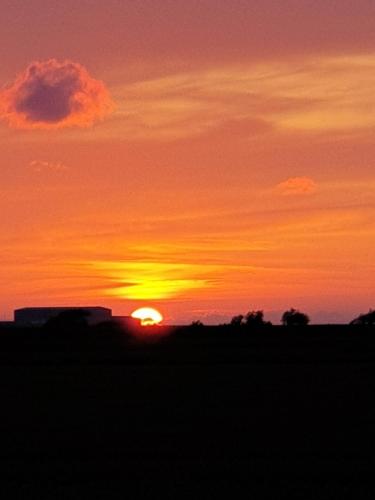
148	316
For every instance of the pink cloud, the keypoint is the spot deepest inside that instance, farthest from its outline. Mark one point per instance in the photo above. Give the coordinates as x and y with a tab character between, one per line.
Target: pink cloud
296	186
52	94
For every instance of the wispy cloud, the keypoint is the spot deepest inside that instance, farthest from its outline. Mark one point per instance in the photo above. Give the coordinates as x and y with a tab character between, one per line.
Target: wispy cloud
315	95
296	186
152	280
52	94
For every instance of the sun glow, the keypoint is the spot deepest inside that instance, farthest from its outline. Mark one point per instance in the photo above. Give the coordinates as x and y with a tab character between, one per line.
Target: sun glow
152	280
148	316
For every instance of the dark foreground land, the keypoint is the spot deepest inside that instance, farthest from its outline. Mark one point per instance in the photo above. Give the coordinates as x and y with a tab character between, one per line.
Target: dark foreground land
198	413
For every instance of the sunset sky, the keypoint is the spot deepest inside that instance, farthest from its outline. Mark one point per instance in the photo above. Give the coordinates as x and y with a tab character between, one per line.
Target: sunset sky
203	157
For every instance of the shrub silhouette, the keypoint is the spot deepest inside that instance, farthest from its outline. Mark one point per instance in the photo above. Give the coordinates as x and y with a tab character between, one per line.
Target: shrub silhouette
255	319
197	324
237	320
294	318
367	319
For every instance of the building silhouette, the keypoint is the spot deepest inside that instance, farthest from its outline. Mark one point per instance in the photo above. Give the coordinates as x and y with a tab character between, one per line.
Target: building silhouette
38	316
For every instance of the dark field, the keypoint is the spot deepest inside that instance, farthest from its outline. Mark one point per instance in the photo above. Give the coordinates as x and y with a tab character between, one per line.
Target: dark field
199	413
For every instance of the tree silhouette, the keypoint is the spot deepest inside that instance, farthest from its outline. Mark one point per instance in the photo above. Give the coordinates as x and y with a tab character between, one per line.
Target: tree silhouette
197	324
294	318
237	320
367	319
256	319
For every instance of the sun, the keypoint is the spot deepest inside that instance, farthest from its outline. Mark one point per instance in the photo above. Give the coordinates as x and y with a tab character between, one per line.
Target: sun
148	316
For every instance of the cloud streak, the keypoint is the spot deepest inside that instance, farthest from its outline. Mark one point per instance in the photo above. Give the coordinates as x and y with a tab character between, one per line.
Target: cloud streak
314	95
52	94
152	280
296	186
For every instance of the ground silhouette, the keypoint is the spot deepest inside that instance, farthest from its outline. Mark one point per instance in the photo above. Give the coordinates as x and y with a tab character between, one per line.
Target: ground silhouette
103	411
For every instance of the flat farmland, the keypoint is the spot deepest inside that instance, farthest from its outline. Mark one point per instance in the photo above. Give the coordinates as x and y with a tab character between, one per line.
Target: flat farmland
200	414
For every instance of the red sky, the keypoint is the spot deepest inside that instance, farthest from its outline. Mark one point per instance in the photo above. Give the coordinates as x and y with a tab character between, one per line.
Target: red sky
203	157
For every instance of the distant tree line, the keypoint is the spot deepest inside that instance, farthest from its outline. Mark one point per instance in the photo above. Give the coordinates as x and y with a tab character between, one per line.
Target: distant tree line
292	317
255	319
367	319
251	319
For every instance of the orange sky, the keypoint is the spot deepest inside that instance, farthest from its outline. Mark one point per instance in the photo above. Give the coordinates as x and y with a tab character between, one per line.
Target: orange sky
206	159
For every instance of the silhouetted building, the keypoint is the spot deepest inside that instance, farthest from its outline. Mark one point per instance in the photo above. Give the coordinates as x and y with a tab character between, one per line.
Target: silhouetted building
7	324
126	321
38	316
